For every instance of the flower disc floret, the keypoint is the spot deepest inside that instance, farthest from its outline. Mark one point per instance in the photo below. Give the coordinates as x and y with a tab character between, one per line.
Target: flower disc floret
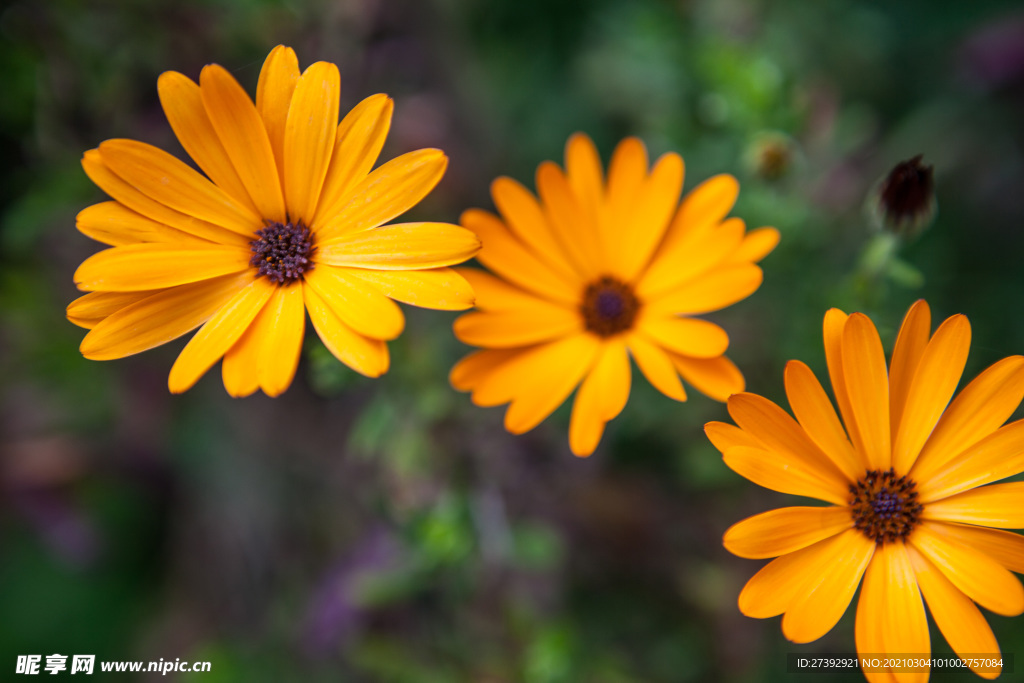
885	507
283	251
609	306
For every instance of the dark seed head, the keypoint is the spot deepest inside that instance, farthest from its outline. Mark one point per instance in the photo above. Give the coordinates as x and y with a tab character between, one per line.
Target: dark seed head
885	507
609	306
283	251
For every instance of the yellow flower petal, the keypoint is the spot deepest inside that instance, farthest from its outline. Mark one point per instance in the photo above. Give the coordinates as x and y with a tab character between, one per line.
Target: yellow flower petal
87	311
773	589
690	257
780	433
657	367
906	355
573	231
114	224
997	456
389	191
601	397
983	405
516	327
898	610
583	169
962	624
983	579
309	138
516	374
785	530
781	472
724	436
139	267
164	179
438	288
359	139
999	505
835	321
685	336
1005	547
159	318
242	132
239	369
494	294
183	105
366	356
403	246
268	353
505	255
703	208
627	171
872	613
526	220
935	379
823	599
469	371
756	245
712	291
278	78
218	335
538	396
867	384
360	306
116	187
656	200
818	418
281	341
717	377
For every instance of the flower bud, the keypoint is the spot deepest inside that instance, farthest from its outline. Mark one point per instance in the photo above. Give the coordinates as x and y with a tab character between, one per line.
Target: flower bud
903	203
771	155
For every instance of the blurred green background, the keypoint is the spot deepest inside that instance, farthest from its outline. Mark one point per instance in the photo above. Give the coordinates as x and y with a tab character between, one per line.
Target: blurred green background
387	530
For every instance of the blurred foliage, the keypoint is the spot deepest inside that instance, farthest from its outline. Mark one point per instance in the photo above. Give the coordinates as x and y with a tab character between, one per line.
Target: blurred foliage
387	530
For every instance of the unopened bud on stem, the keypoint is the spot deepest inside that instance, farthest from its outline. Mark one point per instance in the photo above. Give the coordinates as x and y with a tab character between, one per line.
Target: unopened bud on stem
903	203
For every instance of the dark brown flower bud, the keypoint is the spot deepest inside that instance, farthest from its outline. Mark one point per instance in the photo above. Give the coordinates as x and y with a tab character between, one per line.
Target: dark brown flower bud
904	201
771	155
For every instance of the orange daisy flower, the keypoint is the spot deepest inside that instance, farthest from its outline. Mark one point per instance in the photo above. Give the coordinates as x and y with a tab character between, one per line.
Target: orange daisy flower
289	218
597	271
906	473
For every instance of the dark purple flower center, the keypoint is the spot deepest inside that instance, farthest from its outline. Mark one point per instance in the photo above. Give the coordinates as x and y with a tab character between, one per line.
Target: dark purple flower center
283	251
609	306
885	507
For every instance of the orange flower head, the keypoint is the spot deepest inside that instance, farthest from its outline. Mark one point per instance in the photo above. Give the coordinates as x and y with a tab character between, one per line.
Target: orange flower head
598	270
908	474
289	218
